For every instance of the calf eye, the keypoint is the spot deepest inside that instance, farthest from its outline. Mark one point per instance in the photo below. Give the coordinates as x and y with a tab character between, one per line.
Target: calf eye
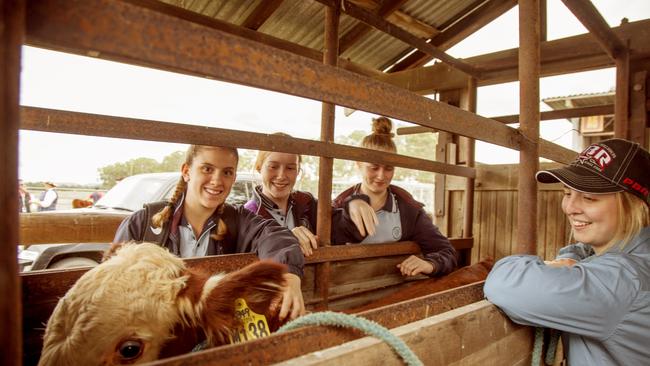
130	349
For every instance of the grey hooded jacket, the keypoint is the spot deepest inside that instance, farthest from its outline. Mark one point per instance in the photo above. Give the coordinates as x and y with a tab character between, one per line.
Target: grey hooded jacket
601	304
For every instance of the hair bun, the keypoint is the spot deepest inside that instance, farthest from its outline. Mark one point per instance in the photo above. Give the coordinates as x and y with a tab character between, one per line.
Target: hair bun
382	126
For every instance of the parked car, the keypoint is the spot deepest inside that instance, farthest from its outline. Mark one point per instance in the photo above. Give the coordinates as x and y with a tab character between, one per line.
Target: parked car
126	197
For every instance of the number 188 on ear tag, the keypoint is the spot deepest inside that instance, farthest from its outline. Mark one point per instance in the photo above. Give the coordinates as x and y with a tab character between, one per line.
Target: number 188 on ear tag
252	325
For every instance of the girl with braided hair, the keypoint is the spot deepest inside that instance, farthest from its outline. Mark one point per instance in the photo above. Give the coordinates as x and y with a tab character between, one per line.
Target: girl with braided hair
376	211
198	222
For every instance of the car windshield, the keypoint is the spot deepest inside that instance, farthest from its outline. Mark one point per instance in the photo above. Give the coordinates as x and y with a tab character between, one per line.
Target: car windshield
133	192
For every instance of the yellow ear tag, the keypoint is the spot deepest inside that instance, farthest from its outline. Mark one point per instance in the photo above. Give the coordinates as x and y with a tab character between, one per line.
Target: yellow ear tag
252	325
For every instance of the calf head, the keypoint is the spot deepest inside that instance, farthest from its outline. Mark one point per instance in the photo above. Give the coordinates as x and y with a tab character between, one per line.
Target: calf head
126	309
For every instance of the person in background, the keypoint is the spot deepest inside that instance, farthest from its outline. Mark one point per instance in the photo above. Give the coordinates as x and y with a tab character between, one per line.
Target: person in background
48	199
378	212
597	292
24	197
198	222
276	199
95	196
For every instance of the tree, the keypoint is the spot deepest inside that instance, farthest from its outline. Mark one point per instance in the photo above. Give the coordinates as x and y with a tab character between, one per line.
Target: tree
172	162
110	174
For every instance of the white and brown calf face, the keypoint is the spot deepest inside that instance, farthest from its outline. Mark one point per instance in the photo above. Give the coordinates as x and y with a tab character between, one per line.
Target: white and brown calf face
126	309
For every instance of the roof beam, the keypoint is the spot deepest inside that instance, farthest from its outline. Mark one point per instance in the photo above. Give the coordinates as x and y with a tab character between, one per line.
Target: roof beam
261	14
361	29
561	56
458	31
397	32
589	16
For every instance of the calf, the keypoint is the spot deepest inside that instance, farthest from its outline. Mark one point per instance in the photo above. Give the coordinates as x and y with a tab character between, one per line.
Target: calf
128	308
464	276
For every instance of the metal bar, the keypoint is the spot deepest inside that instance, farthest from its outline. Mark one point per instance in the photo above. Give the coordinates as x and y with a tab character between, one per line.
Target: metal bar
622	100
125	32
419	43
12	18
51	120
598	110
280	347
529	109
591	18
325	166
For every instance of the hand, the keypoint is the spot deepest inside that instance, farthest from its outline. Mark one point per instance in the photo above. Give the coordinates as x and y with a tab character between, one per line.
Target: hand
562	262
363	216
306	239
413	266
292	298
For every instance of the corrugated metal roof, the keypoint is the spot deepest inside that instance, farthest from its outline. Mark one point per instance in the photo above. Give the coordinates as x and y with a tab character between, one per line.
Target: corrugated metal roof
302	22
580	100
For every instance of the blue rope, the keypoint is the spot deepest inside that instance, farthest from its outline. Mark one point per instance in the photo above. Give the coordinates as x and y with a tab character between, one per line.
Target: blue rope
367	326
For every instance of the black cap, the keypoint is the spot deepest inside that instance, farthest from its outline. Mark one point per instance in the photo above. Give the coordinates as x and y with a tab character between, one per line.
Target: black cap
608	166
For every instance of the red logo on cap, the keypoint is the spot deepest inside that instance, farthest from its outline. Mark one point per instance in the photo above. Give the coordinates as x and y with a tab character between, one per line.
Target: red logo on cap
636	186
598	155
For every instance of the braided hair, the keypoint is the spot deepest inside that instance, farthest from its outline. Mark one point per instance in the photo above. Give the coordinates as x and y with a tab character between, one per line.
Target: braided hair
164	215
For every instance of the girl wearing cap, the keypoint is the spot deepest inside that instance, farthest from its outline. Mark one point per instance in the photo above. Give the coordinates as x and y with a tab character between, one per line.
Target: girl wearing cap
377	212
597	292
197	221
275	198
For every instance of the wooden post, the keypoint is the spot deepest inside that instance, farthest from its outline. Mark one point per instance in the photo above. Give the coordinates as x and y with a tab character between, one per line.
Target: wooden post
529	68
468	204
638	108
12	25
621	103
324	219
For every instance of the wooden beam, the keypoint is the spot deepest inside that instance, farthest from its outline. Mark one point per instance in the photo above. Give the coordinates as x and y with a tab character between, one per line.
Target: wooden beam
397	32
638	111
41	228
125	32
561	56
591	18
468	198
622	101
473	21
529	107
12	25
459	337
598	110
50	120
261	14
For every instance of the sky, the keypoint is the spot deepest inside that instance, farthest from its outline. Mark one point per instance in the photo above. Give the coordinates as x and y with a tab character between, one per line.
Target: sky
69	82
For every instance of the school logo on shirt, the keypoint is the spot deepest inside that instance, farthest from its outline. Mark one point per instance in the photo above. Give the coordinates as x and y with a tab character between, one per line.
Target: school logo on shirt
597	157
397	232
155	230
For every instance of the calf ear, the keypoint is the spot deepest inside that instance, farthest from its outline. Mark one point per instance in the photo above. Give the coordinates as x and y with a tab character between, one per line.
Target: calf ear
259	284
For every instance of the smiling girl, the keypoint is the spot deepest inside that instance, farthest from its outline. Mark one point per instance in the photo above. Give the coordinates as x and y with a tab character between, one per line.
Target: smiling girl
276	199
597	292
198	222
377	212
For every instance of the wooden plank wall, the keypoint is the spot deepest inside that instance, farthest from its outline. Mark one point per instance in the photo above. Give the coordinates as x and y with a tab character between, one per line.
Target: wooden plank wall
495	213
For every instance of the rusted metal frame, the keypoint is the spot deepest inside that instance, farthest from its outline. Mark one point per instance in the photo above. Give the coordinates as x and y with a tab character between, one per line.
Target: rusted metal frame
358	31
598	110
280	347
458	31
326	164
591	18
561	56
468	202
261	14
404	36
12	17
638	111
622	97
529	66
50	120
125	32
